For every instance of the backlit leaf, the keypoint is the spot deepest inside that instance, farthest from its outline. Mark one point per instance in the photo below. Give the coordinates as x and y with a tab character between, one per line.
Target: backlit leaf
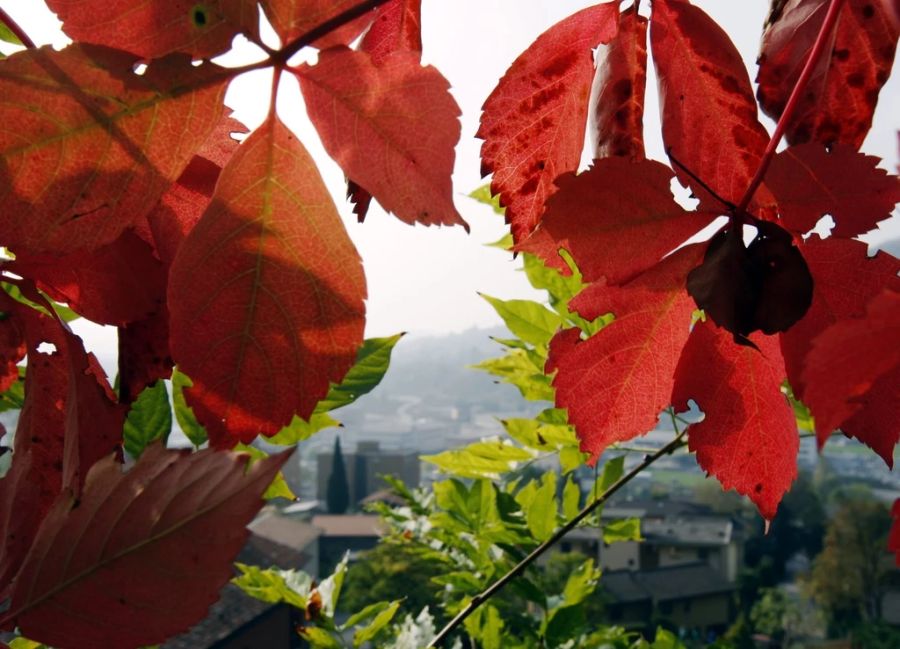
372	362
534	121
96	145
273	585
148	420
748	437
267	278
530	321
184	415
294	18
114	572
382	619
391	128
841	95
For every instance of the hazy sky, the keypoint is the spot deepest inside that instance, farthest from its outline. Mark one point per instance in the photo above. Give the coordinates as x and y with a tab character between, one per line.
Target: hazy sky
425	279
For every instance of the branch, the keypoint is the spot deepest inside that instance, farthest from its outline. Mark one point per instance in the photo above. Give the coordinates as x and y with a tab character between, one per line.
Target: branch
326	28
828	24
14	27
520	567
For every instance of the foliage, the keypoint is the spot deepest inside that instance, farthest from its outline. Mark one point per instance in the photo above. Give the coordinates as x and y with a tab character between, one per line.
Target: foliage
338	491
128	200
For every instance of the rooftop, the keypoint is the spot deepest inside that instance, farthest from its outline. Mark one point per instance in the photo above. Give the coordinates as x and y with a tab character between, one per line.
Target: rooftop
662	584
331	525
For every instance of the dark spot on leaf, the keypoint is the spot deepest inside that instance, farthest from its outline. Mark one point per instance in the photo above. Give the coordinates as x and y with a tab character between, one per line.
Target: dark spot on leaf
842	55
529	186
623	90
856	80
868	11
758	488
560	65
541	164
199	16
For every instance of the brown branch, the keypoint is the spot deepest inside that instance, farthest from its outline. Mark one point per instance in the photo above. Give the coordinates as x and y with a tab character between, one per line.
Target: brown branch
520	567
14	27
828	24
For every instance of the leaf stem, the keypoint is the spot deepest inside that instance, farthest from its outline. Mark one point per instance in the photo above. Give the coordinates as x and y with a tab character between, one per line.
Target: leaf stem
16	29
520	567
834	10
325	28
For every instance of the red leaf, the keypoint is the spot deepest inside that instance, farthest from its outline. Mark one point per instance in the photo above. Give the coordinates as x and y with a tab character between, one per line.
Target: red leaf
534	121
617	219
617	97
294	18
391	127
846	360
840	99
114	284
12	344
893	543
144	355
95	145
143	554
397	27
266	293
709	120
152	29
748	437
876	424
615	383
810	181
846	280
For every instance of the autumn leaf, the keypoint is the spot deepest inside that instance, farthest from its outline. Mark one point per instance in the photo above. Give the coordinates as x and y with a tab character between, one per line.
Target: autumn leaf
810	181
142	554
765	286
391	128
709	121
397	27
842	93
95	145
748	437
267	279
847	359
617	97
534	121
615	383
617	219
294	18
158	27
847	280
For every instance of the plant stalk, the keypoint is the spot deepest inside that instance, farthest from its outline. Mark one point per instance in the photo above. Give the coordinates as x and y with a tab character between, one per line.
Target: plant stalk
834	10
326	28
16	29
520	567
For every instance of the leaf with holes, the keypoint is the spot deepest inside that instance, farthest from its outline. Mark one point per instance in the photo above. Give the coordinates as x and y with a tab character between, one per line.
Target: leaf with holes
748	437
391	127
116	569
534	121
709	121
615	383
267	279
153	29
617	97
617	219
95	145
842	93
810	181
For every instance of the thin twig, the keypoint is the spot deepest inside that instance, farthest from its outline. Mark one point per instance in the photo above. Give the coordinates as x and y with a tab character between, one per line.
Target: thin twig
828	24
326	28
520	567
16	29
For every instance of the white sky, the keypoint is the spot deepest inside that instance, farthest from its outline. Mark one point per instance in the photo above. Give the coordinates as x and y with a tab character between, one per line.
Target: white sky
424	280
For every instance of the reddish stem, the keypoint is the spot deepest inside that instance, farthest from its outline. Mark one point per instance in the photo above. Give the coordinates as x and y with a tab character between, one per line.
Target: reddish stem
14	27
327	27
828	24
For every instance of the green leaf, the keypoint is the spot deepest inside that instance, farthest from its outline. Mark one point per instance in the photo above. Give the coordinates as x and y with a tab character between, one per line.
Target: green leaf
561	288
570	458
149	419
319	638
483	195
279	487
506	242
666	640
613	469
564	623
14	397
272	585
486	625
25	643
625	529
581	583
65	313
571	501
192	428
518	368
299	430
372	362
6	34
531	321
381	620
539	505
805	421
330	587
487	458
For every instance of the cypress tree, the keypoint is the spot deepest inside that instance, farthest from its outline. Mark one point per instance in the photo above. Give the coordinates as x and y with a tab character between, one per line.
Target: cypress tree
338	494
